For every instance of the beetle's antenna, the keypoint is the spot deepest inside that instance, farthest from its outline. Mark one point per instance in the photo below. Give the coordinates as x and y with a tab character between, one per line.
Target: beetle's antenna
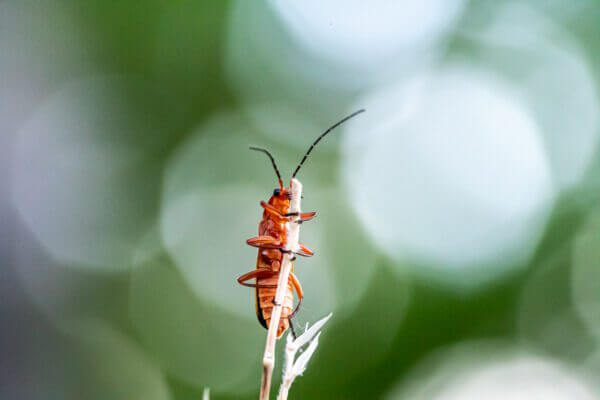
272	161
323	135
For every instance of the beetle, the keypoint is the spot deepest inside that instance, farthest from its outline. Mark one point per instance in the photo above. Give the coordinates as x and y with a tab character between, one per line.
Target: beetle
271	240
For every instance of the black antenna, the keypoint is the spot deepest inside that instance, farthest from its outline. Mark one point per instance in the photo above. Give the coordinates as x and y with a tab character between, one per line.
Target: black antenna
323	135
272	161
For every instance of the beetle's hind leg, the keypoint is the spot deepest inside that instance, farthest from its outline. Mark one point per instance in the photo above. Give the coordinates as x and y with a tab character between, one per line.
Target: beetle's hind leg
259	273
291	317
292	327
298	288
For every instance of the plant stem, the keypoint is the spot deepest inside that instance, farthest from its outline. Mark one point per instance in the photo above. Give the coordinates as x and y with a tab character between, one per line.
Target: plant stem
292	235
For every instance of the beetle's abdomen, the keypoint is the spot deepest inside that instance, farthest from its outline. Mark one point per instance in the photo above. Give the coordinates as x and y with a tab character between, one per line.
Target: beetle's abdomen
271	259
266	297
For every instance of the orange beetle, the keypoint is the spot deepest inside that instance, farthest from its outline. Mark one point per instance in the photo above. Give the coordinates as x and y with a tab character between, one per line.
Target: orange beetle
271	241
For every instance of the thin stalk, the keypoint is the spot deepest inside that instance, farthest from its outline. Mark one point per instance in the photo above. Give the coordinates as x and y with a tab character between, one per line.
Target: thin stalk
292	235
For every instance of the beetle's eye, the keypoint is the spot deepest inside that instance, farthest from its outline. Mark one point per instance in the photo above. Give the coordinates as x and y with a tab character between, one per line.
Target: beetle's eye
276	192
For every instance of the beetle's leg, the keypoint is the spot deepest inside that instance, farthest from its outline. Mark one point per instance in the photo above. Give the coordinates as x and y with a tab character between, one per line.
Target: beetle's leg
292	327
297	287
304	251
264	241
271	210
299	293
307	216
256	274
303	216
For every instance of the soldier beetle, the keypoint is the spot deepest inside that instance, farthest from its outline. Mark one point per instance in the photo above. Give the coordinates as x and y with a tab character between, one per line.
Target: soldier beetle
271	239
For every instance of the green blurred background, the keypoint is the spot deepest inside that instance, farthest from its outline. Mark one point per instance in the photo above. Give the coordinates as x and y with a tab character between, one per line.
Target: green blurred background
458	226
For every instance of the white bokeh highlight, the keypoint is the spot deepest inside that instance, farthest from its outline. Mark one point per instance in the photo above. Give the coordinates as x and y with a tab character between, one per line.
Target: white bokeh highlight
329	29
482	370
449	172
521	379
554	77
80	165
308	59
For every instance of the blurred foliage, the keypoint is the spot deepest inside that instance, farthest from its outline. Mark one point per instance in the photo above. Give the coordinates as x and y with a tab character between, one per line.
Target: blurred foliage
145	329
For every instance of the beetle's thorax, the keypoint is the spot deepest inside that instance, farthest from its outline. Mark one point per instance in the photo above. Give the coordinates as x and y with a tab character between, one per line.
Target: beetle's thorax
281	202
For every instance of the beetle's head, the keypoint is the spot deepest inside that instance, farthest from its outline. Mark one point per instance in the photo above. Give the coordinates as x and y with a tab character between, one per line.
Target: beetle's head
282	193
281	198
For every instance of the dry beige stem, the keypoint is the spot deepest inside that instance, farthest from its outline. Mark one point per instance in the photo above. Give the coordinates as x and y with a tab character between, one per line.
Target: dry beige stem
292	235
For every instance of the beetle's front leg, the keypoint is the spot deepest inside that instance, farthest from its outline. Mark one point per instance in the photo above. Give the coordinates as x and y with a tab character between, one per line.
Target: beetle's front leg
303	216
271	210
